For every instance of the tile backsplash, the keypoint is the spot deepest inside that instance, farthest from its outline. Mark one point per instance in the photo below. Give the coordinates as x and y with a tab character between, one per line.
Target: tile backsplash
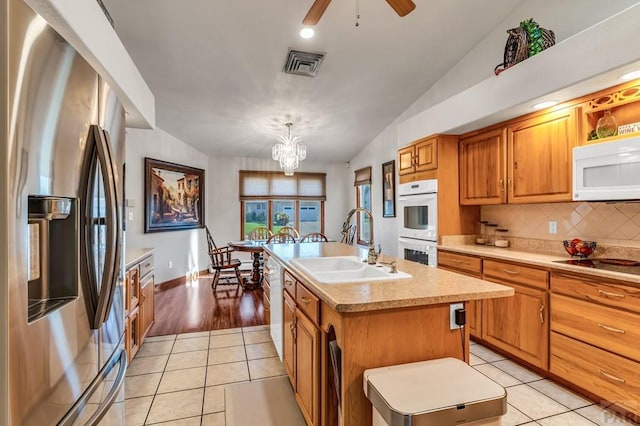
606	223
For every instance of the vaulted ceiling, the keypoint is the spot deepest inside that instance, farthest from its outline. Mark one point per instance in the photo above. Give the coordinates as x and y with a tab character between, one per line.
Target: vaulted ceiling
215	67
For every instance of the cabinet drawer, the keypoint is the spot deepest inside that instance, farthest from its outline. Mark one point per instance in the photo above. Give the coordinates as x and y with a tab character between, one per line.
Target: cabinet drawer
612	329
608	376
619	296
267	307
146	266
289	284
516	273
469	264
308	303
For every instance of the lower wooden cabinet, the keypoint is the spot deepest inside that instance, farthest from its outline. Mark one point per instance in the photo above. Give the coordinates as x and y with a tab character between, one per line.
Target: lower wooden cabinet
519	324
307	367
289	337
139	301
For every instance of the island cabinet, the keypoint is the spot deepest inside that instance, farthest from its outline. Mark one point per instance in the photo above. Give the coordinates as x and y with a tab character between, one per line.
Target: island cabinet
301	343
266	288
595	329
518	325
139	299
472	266
521	161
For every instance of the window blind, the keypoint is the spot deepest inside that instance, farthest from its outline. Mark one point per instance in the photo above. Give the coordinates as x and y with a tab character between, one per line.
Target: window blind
275	185
362	176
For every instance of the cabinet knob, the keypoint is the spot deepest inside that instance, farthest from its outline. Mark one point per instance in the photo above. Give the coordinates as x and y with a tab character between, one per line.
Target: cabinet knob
501	184
305	300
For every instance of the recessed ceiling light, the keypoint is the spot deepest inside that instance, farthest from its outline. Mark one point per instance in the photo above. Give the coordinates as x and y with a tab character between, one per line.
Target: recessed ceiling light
307	32
545	104
630	75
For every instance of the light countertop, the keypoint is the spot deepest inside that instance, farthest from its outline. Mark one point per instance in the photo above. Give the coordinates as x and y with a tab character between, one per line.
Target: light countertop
428	285
135	255
537	259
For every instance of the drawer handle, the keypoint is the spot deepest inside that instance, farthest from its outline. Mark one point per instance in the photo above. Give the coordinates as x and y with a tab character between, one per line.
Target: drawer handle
305	300
287	282
146	265
456	261
611	377
609	294
541	313
507	271
612	329
501	184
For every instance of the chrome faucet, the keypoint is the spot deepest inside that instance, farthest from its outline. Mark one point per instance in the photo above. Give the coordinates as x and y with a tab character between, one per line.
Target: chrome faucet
372	255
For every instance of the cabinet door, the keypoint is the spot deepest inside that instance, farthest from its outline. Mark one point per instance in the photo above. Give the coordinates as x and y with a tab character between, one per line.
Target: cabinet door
406	161
519	324
474	317
426	155
147	306
132	333
307	367
289	337
483	163
540	158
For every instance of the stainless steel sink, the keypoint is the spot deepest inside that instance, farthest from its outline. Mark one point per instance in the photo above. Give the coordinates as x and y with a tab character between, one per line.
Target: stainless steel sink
345	269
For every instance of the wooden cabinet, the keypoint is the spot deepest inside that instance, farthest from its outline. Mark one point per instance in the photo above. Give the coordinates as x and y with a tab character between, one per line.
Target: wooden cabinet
301	350
525	161
420	156
518	324
147	304
468	265
483	168
539	158
139	300
594	334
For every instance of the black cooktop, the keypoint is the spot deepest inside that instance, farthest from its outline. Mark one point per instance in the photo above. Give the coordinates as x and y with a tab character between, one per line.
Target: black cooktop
617	265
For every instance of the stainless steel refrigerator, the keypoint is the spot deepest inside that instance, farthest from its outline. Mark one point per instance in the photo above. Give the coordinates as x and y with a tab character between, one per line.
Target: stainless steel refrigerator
62	150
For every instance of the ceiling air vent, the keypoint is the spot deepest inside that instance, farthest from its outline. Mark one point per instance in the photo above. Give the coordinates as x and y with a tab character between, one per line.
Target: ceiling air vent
303	63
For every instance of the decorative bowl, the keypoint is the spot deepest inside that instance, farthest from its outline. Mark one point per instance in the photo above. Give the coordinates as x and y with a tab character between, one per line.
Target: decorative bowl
579	248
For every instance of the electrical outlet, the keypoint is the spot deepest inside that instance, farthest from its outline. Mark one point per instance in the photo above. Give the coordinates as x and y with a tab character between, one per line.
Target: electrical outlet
170	264
553	227
452	315
130	216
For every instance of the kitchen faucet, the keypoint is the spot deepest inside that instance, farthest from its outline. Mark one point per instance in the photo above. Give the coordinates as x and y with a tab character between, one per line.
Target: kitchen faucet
372	256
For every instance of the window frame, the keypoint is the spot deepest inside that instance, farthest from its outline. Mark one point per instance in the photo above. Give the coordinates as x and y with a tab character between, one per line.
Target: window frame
362	177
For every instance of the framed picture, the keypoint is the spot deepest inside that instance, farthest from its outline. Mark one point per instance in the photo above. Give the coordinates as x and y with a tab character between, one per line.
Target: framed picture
174	196
389	189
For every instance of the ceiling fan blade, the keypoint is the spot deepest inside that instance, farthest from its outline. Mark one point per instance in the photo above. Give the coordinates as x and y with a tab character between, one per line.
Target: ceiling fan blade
315	13
402	7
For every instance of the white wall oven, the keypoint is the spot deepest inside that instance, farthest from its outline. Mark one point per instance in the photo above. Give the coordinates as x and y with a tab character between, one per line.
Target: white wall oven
418	209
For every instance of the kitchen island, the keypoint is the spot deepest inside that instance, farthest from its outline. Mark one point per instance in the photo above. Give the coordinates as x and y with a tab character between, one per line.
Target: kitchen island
374	324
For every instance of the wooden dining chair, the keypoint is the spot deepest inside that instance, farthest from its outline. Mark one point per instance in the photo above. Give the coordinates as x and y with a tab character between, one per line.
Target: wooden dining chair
211	245
221	262
281	239
289	230
260	233
314	237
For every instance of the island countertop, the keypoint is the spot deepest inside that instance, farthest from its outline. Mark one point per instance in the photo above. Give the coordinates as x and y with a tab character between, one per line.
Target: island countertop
427	286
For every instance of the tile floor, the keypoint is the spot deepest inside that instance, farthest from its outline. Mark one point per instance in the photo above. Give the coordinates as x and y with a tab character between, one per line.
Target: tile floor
180	380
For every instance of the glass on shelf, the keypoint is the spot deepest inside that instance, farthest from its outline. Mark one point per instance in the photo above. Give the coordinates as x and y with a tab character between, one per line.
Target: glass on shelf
490	237
501	237
606	125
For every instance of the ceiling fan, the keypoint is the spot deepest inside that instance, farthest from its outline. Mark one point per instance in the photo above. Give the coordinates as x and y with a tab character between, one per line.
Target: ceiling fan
402	8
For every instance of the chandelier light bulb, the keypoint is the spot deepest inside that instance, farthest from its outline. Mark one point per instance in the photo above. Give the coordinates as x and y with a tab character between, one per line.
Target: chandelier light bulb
288	151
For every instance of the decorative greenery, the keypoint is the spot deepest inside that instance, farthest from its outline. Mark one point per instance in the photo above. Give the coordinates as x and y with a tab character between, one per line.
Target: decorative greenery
534	34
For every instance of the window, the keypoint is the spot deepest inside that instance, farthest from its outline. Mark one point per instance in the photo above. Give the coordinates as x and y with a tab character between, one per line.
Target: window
362	183
274	200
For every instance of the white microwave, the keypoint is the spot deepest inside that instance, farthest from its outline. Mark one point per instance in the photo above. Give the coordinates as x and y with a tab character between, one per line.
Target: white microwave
607	171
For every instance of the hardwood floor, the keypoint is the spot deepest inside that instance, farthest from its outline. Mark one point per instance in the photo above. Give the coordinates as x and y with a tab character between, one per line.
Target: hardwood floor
191	307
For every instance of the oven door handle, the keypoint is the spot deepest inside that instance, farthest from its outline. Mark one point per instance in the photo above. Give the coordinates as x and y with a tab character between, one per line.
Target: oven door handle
424	246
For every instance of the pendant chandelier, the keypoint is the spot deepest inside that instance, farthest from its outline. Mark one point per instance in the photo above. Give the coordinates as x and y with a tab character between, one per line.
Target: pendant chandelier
289	152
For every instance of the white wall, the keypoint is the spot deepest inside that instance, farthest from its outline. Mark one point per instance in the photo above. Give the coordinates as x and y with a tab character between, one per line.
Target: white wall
223	215
187	249
565	17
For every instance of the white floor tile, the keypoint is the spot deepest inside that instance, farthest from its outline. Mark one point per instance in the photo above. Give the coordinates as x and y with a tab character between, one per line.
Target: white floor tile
178	361
147	365
190	421
213	399
136	410
566	419
513	417
193	344
485	353
475	360
227	373
155	348
178	380
144	385
497	375
176	405
533	403
226	340
226	355
160	338
604	417
192	335
560	394
257	337
216	419
226	331
519	372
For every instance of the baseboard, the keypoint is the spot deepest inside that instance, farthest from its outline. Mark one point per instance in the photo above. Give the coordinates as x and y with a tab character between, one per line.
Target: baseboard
178	281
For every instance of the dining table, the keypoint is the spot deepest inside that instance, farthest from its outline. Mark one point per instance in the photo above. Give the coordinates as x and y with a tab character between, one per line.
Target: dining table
255	248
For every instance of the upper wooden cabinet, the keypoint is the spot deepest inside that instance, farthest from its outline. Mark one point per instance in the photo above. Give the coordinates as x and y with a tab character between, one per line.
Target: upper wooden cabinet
420	156
527	161
483	166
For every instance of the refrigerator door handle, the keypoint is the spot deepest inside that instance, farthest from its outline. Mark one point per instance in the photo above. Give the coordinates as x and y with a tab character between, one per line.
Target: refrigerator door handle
111	269
113	393
101	262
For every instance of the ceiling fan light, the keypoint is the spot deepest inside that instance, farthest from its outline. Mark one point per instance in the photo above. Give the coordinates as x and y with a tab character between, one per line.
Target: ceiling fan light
307	32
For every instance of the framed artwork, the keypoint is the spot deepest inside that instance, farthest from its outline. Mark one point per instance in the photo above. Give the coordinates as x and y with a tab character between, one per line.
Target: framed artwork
389	189
174	196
